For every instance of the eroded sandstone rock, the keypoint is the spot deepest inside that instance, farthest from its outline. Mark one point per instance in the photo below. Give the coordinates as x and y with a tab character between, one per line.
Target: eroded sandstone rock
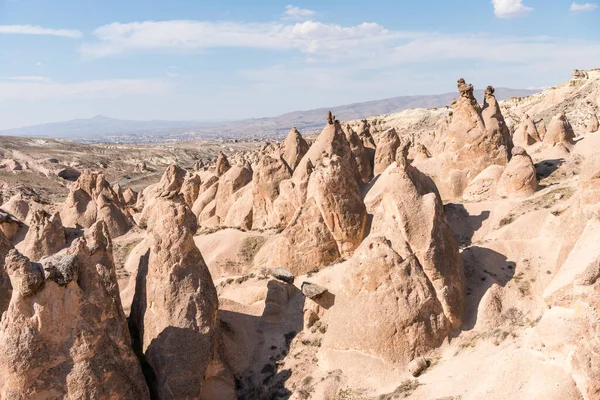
46	235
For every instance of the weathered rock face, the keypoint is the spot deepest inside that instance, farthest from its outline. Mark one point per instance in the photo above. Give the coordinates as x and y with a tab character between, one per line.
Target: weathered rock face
66	323
293	148
17	206
5	285
519	177
190	189
91	200
526	134
407	210
483	187
268	175
362	158
175	302
385	154
560	131
240	214
233	180
338	197
222	164
9	224
205	199
593	125
172	179
364	134
46	235
393	307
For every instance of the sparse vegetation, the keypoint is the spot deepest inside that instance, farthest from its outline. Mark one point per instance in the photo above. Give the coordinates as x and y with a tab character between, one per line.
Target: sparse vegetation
405	389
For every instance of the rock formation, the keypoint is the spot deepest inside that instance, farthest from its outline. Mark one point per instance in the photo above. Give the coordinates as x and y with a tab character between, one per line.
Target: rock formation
559	131
229	183
519	177
361	156
268	175
175	303
65	322
130	197
293	148
385	154
483	187
222	164
9	224
46	236
526	134
494	121
190	189
92	199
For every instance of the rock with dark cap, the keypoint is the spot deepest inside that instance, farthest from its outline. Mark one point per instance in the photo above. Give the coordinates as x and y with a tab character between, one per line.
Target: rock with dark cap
312	290
282	274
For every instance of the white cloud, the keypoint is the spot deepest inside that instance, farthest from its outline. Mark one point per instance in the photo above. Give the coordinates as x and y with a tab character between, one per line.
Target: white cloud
38	30
307	37
576	7
39	64
30	78
510	8
293	12
112	88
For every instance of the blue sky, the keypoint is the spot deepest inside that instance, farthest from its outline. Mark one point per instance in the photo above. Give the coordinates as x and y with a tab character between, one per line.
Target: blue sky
134	59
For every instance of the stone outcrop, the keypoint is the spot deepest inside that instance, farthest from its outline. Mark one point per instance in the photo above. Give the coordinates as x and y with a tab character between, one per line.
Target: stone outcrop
46	235
519	177
293	148
92	199
559	131
9	224
66	323
175	303
240	214
494	121
385	154
5	285
130	197
171	182
364	133
483	187
222	165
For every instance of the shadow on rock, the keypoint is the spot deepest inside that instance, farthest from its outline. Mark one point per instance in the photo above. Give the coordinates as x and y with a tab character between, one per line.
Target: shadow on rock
463	224
546	168
483	268
253	346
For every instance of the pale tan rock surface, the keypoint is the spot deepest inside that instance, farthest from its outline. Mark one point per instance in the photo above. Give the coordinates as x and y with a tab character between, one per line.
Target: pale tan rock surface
593	125
174	308
385	154
233	180
65	321
222	164
483	187
526	134
267	176
240	214
190	189
362	158
559	131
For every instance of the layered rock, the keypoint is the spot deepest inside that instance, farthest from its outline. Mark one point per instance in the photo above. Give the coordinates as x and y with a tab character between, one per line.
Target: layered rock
519	178
46	235
92	199
66	323
293	148
559	131
385	154
175	303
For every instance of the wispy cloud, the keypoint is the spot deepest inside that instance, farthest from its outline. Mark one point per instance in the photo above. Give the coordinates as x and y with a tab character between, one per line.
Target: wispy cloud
293	12
38	30
32	89
576	7
510	8
30	78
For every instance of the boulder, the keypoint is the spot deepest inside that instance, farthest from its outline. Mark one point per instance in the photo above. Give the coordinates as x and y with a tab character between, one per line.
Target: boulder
312	290
190	189
175	304
66	323
282	274
594	125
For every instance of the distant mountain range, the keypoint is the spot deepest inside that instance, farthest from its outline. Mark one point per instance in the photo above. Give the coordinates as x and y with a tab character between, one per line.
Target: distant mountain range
104	129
